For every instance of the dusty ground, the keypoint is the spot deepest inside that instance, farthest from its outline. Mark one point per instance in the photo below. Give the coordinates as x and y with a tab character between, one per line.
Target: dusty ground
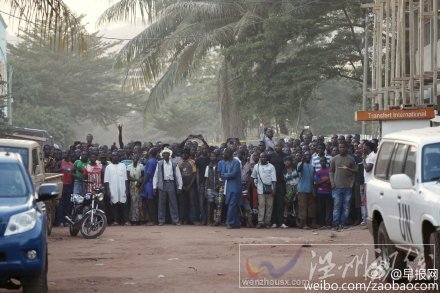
191	258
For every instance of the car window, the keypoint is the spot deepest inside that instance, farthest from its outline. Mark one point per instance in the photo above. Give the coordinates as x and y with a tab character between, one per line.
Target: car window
431	162
383	160
398	160
410	165
12	181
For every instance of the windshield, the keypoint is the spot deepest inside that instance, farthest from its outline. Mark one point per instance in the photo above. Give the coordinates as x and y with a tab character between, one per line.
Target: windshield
12	182
431	162
24	153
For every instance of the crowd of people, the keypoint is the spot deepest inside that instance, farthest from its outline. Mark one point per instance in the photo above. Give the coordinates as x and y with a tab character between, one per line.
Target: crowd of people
303	182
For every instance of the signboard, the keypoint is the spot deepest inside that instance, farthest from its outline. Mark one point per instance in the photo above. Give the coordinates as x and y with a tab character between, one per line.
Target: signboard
387	115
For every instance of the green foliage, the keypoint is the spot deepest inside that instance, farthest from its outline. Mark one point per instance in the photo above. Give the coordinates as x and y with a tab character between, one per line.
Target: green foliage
56	120
333	106
191	107
86	86
291	56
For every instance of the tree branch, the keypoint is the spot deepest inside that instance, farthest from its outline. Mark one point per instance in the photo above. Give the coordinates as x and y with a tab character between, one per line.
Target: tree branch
353	33
350	77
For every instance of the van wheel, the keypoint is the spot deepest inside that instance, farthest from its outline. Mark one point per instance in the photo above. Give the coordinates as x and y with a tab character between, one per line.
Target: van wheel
430	250
37	284
390	258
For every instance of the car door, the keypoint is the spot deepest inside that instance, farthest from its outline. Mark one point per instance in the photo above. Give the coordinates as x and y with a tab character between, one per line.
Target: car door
412	202
386	199
403	211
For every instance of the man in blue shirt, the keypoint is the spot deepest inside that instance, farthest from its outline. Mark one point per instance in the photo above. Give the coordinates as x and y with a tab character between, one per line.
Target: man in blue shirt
306	199
231	175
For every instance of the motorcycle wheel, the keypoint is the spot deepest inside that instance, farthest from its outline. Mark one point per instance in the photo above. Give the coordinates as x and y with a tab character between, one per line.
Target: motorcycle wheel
93	230
73	230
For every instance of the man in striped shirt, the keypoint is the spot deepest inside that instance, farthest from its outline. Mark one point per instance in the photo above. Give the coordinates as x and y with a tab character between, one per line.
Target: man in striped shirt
316	160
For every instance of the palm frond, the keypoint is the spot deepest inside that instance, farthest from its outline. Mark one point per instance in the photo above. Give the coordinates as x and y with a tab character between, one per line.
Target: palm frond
151	37
130	10
248	20
54	19
197	11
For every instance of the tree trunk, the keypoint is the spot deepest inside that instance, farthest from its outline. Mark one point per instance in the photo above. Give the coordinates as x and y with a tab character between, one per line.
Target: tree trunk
232	122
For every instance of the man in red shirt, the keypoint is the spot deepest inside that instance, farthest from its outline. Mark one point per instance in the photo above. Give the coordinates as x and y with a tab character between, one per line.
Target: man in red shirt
93	172
66	168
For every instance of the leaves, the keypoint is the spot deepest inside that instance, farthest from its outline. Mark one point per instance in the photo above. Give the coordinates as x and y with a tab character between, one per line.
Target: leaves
55	21
87	88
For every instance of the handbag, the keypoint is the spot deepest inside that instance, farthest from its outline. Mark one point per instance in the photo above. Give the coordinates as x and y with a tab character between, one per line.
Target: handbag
267	188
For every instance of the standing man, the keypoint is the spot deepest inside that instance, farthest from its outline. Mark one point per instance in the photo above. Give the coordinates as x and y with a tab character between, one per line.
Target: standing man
186	199
306	198
66	168
168	180
93	172
78	175
89	140
147	193
116	185
342	176
265	175
369	159
268	138
201	163
231	175
316	160
277	160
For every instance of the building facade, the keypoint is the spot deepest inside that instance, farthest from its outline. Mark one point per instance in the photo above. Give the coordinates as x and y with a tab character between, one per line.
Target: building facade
405	53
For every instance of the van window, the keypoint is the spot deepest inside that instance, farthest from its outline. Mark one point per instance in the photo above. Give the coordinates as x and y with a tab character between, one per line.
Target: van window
431	162
398	160
410	165
383	160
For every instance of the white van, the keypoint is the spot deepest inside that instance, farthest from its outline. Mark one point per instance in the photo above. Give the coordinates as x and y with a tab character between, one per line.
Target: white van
403	197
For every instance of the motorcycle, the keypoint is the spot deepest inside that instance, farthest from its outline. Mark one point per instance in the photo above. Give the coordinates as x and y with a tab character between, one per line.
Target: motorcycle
86	215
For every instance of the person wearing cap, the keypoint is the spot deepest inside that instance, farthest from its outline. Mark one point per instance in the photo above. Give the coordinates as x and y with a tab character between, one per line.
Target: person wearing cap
168	180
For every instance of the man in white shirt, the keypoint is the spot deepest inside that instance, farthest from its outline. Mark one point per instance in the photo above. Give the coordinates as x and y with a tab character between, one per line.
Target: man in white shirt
369	159
168	180
116	184
264	174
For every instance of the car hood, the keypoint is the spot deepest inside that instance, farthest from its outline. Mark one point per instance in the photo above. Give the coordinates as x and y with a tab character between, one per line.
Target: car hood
13	205
432	187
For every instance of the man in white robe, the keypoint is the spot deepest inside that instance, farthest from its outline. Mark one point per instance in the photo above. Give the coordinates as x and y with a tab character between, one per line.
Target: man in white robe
116	184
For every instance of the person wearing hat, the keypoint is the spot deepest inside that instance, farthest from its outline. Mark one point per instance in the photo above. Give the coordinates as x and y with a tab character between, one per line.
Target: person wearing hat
168	180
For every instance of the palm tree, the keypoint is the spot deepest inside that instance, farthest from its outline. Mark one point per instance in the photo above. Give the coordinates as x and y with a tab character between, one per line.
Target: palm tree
179	36
56	21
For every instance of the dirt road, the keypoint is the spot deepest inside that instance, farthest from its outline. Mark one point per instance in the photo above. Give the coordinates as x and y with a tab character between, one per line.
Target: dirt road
189	258
173	259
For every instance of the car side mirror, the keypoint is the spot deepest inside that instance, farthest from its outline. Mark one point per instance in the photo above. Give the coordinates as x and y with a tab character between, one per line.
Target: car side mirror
401	181
48	191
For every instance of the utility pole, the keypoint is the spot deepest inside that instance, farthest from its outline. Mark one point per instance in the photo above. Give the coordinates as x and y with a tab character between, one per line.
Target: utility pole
365	79
10	71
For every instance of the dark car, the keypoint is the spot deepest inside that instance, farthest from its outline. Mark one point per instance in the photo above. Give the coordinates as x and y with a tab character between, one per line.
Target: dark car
23	227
